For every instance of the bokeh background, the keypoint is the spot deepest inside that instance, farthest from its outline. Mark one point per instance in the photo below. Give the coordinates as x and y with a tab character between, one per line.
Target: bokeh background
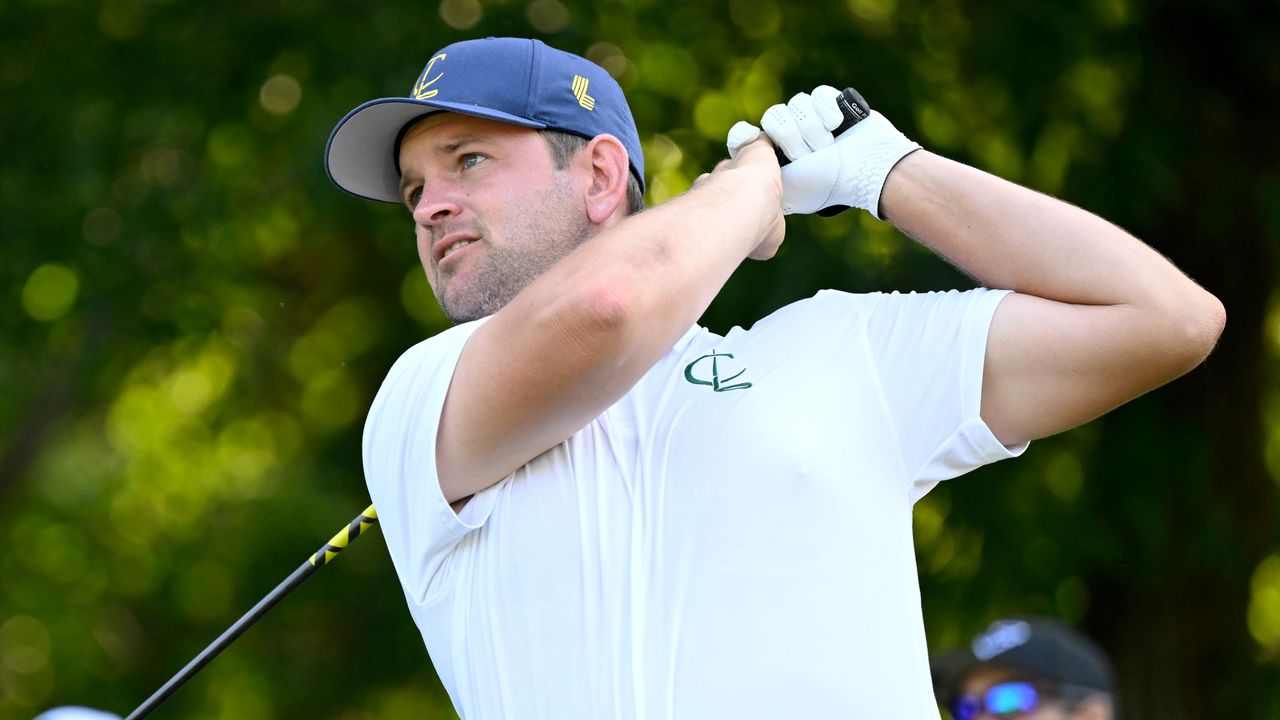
194	322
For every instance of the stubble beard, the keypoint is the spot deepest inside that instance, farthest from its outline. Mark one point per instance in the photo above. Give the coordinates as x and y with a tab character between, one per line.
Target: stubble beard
501	276
529	249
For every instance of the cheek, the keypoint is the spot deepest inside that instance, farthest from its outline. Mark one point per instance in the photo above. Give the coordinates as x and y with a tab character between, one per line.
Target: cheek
422	240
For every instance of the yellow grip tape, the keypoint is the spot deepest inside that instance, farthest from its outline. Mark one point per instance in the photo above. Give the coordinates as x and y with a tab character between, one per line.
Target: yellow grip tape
345	536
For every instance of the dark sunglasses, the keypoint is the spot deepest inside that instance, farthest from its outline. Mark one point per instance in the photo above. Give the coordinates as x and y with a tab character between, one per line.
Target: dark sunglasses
1001	700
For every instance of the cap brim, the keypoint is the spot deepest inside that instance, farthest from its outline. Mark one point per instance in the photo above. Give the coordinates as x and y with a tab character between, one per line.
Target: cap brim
359	155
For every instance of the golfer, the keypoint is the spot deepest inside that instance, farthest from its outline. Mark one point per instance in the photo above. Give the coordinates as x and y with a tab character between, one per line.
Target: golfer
599	509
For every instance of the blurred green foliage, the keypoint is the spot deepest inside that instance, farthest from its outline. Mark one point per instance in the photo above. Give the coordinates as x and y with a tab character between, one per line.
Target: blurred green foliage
195	321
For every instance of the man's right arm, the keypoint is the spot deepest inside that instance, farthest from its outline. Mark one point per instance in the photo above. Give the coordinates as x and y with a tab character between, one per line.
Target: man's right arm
580	336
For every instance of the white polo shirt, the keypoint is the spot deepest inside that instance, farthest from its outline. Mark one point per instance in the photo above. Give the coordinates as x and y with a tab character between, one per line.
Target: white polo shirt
731	539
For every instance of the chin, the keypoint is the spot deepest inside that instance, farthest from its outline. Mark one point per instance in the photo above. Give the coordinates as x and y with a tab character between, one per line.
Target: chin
459	313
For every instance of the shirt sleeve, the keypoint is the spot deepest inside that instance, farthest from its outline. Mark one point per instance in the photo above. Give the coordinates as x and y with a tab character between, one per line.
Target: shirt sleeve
419	526
928	350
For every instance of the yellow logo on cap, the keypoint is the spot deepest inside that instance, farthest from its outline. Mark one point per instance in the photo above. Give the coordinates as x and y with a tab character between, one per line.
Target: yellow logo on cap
420	91
580	91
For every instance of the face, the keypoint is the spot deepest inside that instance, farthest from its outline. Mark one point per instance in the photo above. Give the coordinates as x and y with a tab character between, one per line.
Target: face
981	680
490	210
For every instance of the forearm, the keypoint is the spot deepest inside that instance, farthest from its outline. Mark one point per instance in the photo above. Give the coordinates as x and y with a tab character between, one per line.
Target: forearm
660	269
1007	236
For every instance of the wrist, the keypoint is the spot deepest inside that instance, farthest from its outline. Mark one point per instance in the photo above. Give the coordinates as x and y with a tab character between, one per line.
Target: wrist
902	185
739	206
870	152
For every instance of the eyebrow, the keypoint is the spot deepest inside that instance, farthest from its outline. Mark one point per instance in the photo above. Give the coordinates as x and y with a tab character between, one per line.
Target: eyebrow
452	146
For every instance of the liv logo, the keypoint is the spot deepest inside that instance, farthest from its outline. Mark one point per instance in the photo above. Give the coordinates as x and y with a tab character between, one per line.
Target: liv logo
695	371
580	91
422	89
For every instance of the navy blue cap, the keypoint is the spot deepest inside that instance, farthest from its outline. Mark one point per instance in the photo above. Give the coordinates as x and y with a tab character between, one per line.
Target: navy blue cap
1040	648
515	80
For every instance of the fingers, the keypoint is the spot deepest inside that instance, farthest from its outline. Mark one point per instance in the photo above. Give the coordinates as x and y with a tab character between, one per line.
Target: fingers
739	135
810	122
782	129
805	123
824	103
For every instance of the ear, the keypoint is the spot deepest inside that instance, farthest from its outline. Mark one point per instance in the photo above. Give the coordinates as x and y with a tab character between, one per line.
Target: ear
606	193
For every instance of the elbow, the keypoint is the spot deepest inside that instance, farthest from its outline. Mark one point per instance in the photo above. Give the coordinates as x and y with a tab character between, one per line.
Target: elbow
1200	324
592	322
607	310
1215	321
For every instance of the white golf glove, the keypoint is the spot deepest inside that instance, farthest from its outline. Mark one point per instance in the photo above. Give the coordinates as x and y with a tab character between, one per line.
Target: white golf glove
827	172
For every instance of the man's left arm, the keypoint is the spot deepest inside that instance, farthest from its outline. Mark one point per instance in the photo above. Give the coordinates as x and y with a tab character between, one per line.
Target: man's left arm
1098	317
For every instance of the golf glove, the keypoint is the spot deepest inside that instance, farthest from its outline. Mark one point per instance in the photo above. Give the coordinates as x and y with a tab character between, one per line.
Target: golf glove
827	173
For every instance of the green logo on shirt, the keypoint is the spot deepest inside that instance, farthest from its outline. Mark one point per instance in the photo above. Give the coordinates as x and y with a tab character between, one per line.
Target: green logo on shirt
716	382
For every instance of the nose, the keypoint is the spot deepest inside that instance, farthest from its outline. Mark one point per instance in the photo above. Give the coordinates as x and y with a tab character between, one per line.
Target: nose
435	206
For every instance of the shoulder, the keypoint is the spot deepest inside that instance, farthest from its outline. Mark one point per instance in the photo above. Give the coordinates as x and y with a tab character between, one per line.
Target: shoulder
836	313
926	307
442	343
825	303
827	308
440	349
840	302
424	369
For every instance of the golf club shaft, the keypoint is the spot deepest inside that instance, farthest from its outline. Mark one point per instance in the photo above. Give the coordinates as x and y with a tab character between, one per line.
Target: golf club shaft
321	556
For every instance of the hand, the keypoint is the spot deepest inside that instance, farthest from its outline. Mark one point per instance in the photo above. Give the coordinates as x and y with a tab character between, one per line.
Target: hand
826	171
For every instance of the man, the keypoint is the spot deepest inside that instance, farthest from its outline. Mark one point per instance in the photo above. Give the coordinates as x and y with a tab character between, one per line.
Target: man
1029	669
597	508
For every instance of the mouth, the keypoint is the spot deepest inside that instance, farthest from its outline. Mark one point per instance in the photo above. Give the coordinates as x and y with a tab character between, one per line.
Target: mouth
449	244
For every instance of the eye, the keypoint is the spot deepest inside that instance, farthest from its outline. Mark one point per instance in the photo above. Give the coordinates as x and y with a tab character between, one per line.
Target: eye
413	197
470	160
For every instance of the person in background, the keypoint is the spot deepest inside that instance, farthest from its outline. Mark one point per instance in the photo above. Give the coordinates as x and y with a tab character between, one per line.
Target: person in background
75	712
1029	669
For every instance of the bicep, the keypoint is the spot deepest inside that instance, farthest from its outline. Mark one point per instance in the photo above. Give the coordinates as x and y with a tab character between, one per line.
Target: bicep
1051	366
